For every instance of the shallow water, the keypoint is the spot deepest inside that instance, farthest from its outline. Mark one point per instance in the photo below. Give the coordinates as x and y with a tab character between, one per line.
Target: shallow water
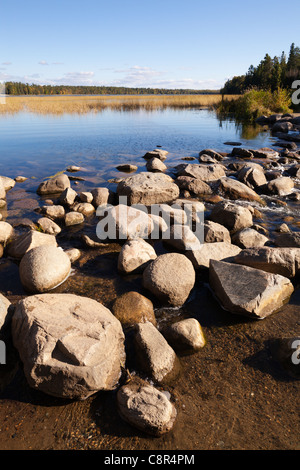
232	394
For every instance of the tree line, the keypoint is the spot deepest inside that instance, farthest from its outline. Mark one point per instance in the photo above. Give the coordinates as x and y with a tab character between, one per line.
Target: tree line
270	74
18	88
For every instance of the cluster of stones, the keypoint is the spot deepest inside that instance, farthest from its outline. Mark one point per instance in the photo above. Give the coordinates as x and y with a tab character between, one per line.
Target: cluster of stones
73	347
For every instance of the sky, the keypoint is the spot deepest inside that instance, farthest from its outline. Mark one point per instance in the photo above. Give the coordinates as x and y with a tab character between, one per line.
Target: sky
192	44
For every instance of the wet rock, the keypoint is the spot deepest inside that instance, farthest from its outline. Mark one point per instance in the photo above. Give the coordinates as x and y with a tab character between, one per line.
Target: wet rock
2	192
283	261
67	197
232	216
241	152
193	185
102	196
154	355
85	208
48	226
289	239
207	159
90	243
170	277
265	152
214	232
70	346
212	153
148	188
7	182
74	254
155	164
185	336
233	189
54	185
4	313
26	241
146	408
20	179
135	256
132	308
44	268
127	168
281	186
157	153
86	197
248	238
280	126
73	218
203	172
73	168
248	291
252	177
208	251
6	232
54	212
283	228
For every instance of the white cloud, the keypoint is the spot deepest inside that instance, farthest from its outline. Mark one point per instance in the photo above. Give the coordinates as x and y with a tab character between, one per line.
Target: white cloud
43	62
6	63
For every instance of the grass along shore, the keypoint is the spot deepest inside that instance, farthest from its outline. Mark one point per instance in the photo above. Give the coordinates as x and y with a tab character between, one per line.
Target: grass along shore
85	104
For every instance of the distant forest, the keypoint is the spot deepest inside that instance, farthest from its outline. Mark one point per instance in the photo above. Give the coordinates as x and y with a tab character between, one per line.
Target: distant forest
270	74
18	88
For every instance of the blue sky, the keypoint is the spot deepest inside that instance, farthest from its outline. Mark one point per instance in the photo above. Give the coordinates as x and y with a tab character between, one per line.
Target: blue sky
168	43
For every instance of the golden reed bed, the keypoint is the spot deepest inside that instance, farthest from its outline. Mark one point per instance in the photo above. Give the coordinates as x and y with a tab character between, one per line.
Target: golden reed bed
85	104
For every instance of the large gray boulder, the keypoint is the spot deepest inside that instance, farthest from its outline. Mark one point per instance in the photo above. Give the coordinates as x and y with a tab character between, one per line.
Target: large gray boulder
208	251
146	408
70	346
214	232
203	172
148	188
44	268
170	277
249	238
248	291
54	185
234	189
281	186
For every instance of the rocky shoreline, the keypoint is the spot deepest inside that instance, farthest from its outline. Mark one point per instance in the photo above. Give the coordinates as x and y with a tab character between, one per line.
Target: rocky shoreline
73	347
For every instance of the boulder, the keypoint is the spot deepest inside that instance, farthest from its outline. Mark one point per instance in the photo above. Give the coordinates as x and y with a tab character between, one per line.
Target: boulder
208	251
182	238
146	408
67	197
233	189
281	186
102	196
4	311
48	226
44	268
71	346
6	232
249	238
135	256
203	172
7	182
86	196
54	212
155	164
54	185
241	152
289	239
132	308
170	277
185	336
154	355
212	153
252	177
74	218
85	208
283	261
74	254
157	153
127	168
248	291
193	185
214	232
26	241
232	216
148	188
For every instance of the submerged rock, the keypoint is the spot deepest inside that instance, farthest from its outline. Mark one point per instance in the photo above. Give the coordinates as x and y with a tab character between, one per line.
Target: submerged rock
132	308
146	408
70	346
248	291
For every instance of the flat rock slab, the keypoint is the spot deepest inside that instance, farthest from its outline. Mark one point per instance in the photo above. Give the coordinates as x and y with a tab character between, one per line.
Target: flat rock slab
70	346
248	291
208	251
